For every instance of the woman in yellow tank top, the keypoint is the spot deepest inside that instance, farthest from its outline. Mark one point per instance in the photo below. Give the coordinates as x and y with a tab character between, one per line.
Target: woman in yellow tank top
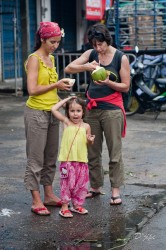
41	129
74	173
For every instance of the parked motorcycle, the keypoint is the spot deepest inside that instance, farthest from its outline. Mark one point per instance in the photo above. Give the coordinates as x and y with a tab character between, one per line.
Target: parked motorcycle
142	98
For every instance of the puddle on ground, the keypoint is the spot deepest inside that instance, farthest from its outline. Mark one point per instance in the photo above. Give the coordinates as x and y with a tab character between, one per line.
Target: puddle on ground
111	231
117	235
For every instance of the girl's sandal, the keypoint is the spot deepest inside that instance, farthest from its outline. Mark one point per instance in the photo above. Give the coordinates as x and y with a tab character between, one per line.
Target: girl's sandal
66	213
79	210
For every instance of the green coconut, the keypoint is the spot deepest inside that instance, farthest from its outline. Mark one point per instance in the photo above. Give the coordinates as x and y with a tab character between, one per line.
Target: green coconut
99	74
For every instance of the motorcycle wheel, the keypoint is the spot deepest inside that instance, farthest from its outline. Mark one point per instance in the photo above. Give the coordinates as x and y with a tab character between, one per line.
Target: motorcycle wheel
132	106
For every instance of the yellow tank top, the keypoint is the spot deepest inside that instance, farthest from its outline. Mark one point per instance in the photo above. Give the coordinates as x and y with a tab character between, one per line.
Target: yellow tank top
46	76
78	150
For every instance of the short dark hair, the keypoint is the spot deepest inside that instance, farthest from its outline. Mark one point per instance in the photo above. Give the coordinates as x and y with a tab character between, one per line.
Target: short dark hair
79	101
99	32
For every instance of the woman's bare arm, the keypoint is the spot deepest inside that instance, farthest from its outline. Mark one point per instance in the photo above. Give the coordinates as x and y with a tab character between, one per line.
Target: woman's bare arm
32	78
81	64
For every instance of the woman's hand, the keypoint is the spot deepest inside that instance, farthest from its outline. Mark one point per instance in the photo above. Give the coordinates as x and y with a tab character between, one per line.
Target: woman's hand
90	66
64	84
81	64
93	65
105	82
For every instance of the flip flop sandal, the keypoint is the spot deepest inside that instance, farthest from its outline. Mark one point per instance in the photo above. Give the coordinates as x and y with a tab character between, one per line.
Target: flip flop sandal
66	213
114	203
38	211
53	203
79	210
93	194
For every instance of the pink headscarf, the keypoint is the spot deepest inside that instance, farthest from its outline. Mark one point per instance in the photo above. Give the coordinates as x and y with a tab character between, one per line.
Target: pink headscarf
49	29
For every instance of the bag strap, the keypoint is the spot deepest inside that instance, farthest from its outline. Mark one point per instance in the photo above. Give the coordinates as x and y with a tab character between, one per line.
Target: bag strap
73	141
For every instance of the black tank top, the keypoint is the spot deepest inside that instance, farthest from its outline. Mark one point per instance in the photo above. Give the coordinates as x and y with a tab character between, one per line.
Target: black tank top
97	91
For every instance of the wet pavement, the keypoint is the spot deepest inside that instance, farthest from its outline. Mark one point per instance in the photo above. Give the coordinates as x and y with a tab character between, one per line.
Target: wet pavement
152	235
104	227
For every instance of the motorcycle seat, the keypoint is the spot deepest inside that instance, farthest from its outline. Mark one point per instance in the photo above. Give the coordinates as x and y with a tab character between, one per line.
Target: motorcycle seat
161	81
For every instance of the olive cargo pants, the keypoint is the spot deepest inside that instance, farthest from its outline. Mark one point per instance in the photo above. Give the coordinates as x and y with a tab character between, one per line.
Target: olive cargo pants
42	142
109	123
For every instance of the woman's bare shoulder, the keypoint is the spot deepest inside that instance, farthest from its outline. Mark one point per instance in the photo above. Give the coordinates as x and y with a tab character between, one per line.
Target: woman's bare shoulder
32	60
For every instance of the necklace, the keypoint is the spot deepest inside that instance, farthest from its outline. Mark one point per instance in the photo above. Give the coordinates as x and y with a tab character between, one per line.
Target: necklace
107	57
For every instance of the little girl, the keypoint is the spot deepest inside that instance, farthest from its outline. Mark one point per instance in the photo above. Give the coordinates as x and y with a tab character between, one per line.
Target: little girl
74	173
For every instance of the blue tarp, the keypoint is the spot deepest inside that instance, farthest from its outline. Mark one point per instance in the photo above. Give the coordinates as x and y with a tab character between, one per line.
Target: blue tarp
155	67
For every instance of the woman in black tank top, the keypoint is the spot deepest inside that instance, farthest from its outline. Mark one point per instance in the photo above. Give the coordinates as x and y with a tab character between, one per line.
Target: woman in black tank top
106	114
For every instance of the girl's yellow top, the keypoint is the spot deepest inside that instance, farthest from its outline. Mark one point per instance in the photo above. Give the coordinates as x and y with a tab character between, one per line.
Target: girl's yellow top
46	76
78	150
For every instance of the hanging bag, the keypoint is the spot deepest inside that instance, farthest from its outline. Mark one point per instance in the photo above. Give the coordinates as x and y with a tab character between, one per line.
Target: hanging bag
64	168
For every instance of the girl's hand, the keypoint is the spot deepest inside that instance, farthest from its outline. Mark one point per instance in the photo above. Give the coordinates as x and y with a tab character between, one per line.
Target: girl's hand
69	98
91	138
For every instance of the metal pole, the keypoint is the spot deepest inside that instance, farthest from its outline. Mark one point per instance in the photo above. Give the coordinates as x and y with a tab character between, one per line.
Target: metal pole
117	30
15	50
155	24
136	23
